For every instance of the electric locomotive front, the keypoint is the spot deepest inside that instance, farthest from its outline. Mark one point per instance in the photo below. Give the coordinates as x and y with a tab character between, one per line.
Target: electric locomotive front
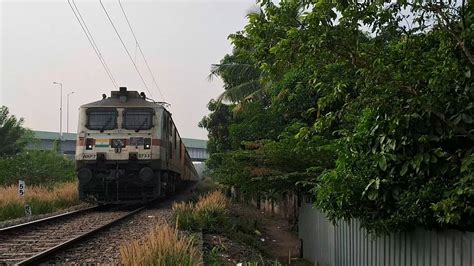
118	153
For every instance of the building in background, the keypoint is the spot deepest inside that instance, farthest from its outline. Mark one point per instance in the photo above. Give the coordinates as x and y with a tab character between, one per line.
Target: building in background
45	140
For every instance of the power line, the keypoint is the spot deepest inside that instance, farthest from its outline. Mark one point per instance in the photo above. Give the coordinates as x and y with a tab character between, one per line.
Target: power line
90	38
141	52
96	46
125	47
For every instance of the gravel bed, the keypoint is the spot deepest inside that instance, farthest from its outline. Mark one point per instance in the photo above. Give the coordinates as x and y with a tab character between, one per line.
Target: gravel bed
41	216
20	244
105	246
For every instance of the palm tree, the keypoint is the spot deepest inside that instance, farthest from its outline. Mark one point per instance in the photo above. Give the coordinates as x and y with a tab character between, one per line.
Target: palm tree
242	81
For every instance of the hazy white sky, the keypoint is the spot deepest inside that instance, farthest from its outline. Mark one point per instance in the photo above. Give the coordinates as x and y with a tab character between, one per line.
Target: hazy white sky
42	42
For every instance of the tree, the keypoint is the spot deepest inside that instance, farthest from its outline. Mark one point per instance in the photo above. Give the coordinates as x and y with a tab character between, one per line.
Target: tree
245	81
217	124
13	136
371	103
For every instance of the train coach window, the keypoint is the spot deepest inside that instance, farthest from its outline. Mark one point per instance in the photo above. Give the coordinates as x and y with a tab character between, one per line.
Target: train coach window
137	119
101	119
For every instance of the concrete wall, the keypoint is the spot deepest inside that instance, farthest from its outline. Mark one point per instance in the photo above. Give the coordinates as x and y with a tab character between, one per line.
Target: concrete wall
347	244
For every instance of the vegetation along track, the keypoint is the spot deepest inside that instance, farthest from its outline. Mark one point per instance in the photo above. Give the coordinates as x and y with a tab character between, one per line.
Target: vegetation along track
33	242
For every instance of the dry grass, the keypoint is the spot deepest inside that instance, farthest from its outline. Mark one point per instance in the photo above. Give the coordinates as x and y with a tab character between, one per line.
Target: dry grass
208	213
41	199
214	201
163	246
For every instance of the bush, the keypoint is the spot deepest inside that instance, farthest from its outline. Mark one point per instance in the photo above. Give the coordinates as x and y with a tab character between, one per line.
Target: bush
206	185
163	246
36	167
186	217
208	213
41	199
212	210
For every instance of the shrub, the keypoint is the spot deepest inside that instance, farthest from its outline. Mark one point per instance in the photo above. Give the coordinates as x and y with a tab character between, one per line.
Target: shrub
212	210
208	213
36	167
41	199
186	216
163	246
207	185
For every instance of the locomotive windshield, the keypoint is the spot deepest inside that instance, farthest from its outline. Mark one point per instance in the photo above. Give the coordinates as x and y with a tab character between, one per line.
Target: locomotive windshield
102	119
137	119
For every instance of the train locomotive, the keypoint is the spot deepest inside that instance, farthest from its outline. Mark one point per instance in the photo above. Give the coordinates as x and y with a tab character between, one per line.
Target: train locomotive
129	150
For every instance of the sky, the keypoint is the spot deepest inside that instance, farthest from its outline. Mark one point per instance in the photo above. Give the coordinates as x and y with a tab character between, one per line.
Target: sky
41	42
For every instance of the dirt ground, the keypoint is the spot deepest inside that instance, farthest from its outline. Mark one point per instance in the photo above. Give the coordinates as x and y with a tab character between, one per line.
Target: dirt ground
276	236
254	237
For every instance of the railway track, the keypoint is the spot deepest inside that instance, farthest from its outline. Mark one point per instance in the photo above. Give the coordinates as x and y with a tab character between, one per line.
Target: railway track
33	242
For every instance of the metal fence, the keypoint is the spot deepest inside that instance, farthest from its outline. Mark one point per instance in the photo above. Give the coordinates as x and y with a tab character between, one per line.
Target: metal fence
347	244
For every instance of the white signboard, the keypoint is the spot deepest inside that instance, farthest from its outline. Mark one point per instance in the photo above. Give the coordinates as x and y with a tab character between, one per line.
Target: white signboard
21	187
28	210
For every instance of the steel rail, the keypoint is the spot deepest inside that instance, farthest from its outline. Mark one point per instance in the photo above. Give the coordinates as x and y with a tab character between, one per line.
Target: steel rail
48	219
40	257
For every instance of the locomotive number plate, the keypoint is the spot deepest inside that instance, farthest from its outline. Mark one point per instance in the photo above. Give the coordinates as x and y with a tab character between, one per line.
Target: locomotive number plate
89	156
144	156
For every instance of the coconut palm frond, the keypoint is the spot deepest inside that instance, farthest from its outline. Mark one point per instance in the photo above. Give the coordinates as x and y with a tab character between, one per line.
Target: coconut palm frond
259	94
240	71
240	92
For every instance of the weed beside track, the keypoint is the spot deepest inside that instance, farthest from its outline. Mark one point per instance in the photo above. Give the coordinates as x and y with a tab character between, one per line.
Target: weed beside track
165	245
41	199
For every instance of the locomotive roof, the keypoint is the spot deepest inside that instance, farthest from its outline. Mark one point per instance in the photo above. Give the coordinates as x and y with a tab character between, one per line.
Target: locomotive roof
123	98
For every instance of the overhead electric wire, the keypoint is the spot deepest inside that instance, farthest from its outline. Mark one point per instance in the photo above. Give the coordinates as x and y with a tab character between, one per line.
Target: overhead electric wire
125	47
141	52
96	46
92	42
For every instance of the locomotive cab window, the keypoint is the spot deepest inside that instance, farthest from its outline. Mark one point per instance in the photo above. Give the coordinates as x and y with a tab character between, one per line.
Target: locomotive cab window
137	119
102	119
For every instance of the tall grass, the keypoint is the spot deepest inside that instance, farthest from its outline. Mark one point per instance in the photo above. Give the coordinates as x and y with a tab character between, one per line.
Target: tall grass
208	213
212	202
163	246
166	246
41	199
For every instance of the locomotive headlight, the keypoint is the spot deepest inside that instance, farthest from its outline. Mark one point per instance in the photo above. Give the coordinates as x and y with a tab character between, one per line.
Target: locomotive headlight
89	144
146	143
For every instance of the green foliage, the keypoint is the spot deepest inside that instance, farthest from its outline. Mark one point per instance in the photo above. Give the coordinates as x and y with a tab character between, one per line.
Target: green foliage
186	217
455	206
367	105
36	167
13	137
209	213
57	146
217	125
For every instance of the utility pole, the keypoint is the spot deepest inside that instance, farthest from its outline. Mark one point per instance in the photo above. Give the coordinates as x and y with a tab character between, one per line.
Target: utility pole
67	112
60	110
